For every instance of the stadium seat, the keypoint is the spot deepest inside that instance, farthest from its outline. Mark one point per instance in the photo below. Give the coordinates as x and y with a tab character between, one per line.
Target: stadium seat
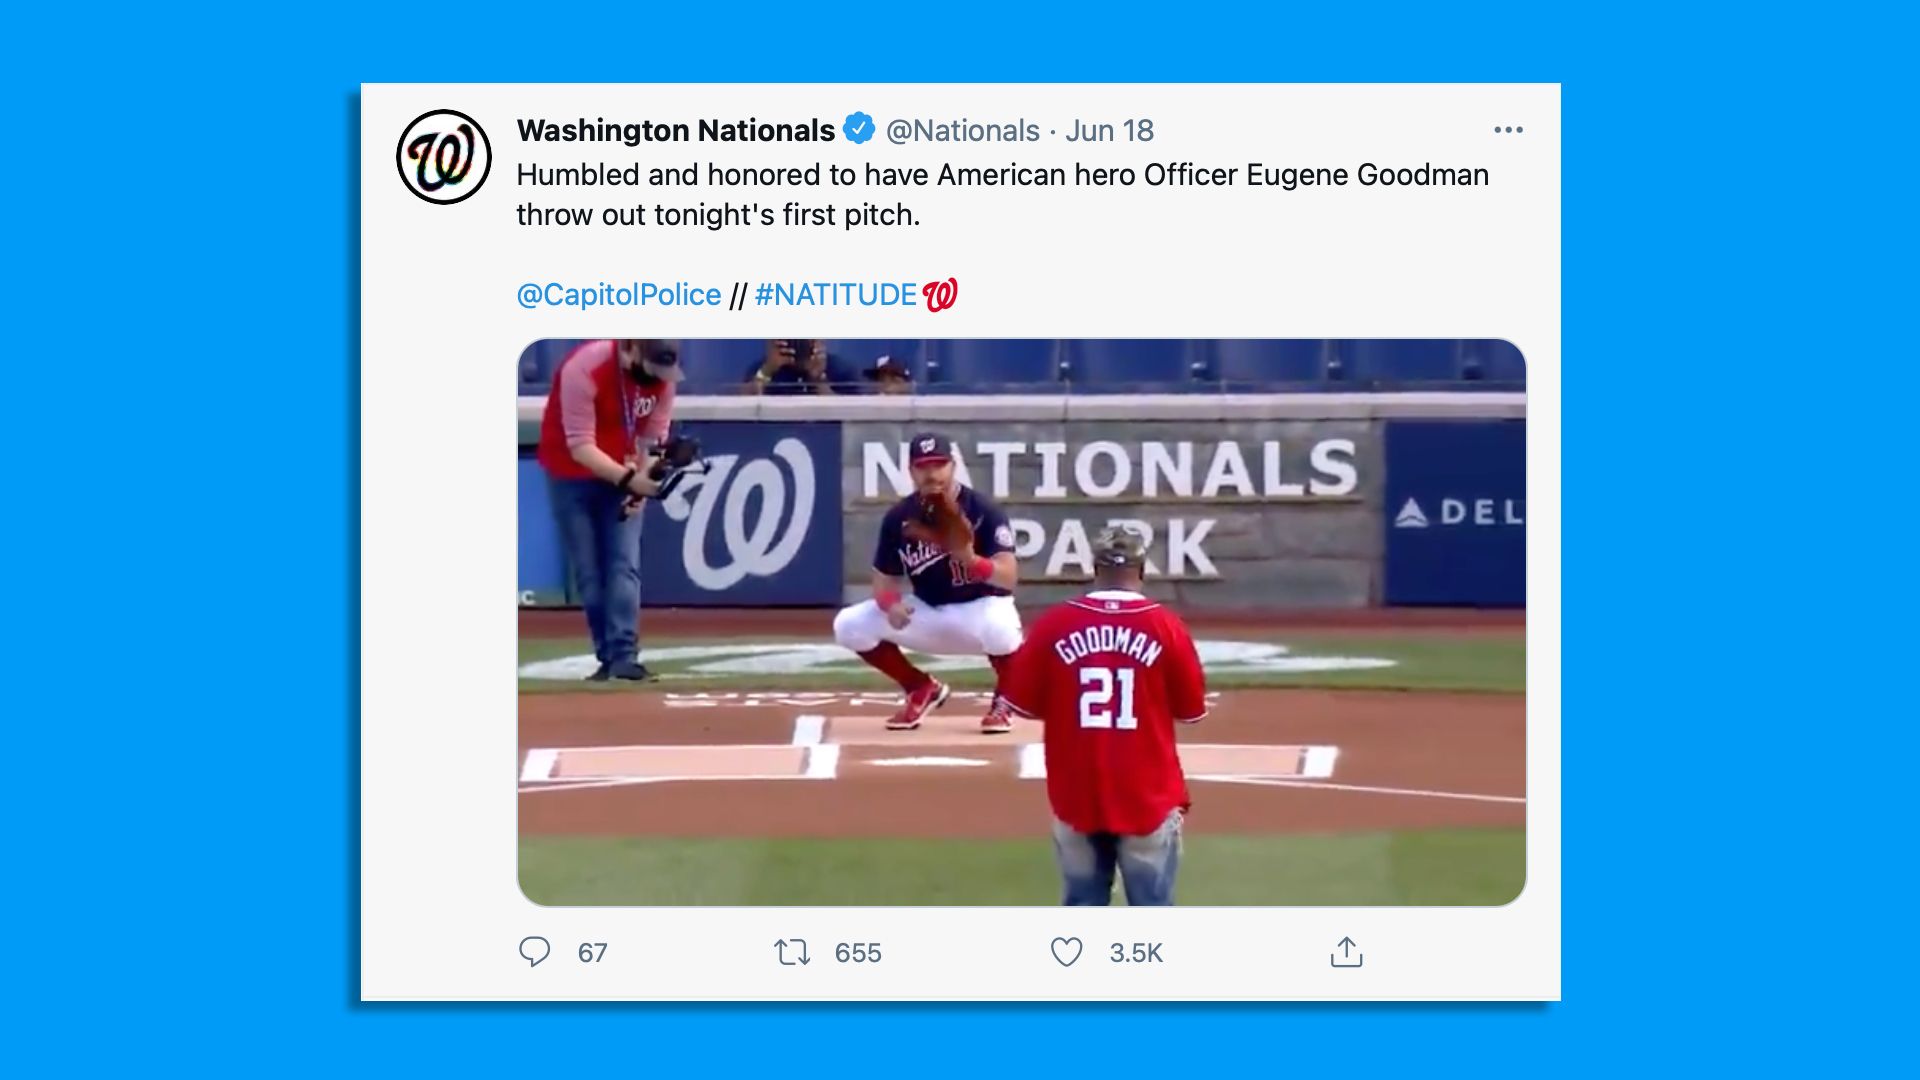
984	366
859	354
1493	361
529	368
538	361
1253	364
718	365
1113	366
1107	366
1375	363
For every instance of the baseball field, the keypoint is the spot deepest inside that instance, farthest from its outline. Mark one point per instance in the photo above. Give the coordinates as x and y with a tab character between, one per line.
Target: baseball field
1372	758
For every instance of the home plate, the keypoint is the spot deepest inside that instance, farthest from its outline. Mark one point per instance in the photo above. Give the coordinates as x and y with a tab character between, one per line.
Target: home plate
956	762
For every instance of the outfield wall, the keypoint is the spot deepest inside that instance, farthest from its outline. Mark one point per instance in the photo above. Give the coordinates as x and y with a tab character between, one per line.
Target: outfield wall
1254	502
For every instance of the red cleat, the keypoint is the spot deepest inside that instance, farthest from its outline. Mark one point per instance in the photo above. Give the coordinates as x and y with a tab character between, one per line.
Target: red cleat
929	696
999	719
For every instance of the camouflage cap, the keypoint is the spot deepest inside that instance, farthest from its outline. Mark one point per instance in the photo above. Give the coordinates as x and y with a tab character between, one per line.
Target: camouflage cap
1119	545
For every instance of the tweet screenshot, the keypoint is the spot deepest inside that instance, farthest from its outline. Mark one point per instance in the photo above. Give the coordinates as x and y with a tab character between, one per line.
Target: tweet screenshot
1141	582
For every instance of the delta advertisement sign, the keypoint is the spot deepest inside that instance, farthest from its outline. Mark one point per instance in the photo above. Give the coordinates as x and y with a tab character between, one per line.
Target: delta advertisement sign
1456	499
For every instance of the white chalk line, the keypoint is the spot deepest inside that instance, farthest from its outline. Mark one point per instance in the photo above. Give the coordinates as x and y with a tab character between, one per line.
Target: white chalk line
808	730
632	781
1364	789
825	767
696	747
1317	763
539	765
823	762
1033	761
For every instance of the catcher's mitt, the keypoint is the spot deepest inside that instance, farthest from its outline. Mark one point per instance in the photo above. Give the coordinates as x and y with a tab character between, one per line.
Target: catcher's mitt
941	524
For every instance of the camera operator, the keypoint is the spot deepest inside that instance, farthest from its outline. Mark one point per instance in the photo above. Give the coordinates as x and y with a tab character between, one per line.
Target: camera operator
793	366
609	407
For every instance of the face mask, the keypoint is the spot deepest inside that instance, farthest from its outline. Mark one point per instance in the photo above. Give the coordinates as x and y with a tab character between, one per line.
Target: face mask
658	357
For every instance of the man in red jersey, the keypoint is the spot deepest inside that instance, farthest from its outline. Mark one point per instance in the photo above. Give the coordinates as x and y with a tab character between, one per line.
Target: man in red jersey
1110	673
609	408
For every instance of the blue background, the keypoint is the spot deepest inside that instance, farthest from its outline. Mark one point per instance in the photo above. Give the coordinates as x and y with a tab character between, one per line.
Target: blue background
177	172
1467	562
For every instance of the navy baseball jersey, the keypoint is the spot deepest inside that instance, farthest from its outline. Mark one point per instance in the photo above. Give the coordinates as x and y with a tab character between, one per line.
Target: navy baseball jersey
935	578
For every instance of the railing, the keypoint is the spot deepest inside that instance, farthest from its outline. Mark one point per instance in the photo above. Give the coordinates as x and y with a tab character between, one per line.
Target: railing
1194	407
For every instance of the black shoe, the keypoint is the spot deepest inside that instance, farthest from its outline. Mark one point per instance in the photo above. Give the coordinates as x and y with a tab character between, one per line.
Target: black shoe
630	670
601	673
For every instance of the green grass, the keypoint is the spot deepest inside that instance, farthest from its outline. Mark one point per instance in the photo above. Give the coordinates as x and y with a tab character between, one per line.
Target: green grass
1424	867
1483	662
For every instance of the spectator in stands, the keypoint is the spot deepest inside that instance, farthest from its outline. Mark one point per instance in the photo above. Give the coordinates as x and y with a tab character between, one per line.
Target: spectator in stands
797	367
890	376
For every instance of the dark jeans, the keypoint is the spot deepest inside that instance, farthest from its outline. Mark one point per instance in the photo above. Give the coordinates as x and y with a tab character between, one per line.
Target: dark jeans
604	553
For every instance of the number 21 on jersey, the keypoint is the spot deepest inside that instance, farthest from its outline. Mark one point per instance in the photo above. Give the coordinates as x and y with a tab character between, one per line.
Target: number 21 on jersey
1097	706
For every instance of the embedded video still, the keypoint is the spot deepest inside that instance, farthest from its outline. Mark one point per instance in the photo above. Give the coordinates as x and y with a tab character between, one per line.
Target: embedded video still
1021	622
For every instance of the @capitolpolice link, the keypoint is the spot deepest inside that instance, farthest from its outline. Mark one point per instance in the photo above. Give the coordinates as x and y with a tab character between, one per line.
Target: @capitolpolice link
609	408
632	294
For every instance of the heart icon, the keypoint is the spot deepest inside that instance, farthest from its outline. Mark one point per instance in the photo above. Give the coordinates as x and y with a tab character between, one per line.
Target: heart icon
1066	950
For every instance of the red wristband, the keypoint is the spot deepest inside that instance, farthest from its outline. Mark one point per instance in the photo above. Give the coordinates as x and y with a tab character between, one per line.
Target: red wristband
981	568
888	599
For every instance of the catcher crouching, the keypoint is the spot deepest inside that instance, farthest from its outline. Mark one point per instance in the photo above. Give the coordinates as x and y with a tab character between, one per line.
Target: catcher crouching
953	548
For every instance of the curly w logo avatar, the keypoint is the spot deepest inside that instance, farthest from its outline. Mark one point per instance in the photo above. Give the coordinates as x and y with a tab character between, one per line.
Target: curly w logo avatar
729	487
444	156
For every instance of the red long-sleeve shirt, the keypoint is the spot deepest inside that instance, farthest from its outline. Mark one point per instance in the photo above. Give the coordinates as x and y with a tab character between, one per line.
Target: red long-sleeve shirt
593	401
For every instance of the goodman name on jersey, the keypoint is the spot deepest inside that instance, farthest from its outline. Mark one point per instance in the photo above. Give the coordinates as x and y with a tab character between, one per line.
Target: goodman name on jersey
1108	638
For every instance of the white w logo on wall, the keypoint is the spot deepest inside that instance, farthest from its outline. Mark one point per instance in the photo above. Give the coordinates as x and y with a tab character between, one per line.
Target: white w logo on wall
764	551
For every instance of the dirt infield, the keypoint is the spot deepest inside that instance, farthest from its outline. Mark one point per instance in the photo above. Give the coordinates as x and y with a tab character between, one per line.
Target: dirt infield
1264	761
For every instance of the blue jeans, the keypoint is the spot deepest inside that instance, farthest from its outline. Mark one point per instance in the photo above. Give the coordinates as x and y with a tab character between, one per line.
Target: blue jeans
604	553
1147	864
